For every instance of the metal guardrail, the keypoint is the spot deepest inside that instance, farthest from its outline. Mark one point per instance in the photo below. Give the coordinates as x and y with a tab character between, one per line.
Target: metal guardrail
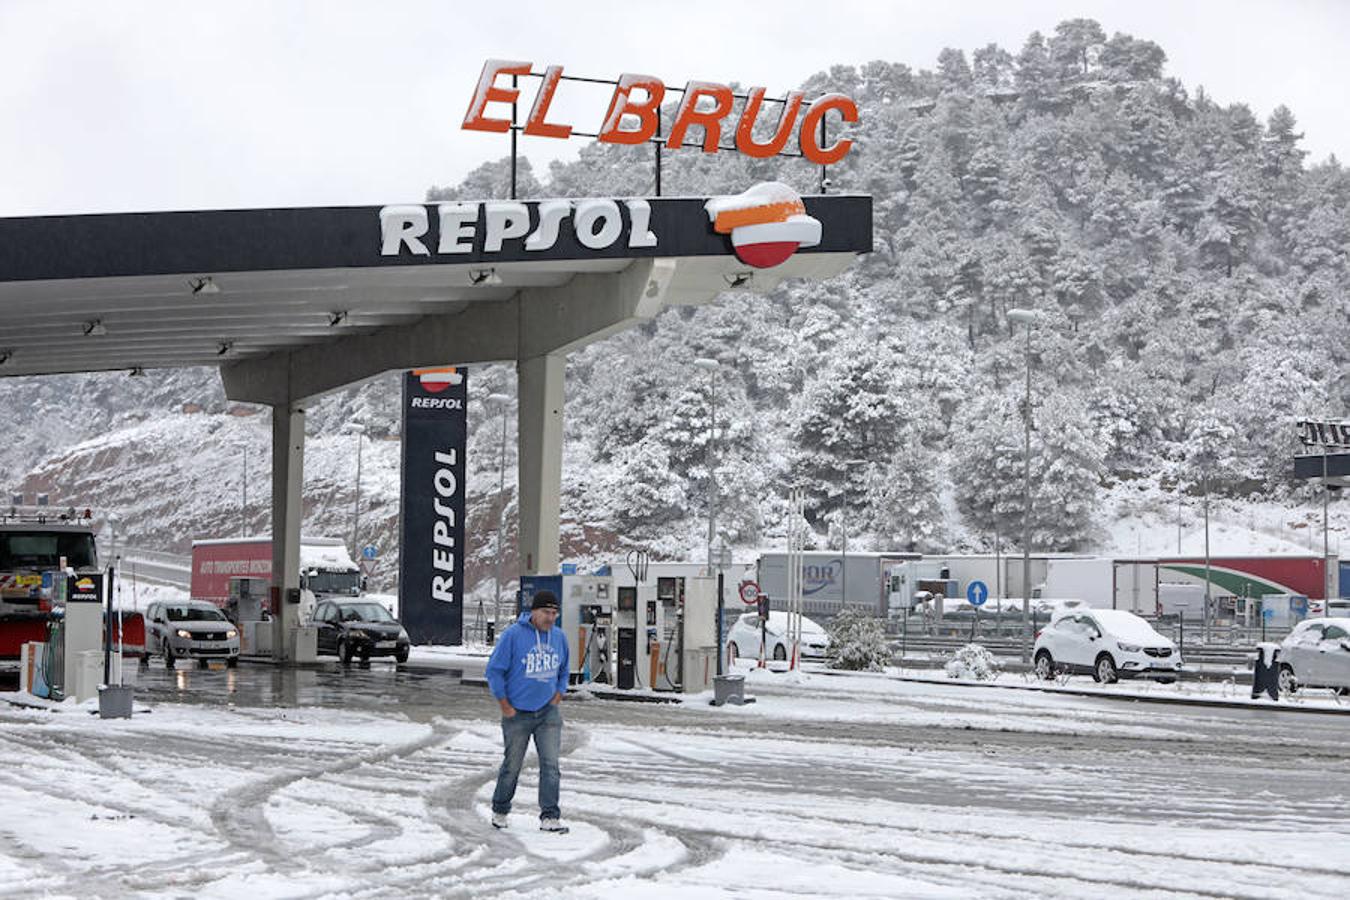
157	567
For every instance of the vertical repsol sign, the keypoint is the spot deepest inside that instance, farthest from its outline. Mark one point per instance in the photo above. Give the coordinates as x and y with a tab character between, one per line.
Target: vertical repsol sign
431	558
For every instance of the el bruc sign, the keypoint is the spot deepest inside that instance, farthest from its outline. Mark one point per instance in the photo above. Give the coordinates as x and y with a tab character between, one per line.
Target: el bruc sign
624	108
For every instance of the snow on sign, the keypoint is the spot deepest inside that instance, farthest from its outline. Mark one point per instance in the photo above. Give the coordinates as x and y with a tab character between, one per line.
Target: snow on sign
634	119
767	223
749	593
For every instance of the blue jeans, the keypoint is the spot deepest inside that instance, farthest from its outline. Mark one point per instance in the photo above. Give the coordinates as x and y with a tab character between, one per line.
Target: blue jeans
545	725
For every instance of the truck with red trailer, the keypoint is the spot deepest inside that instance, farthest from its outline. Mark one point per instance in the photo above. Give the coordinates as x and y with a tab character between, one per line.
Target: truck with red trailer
232	572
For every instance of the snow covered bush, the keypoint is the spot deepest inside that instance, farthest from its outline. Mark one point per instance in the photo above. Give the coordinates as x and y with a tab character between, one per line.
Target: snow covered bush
973	661
858	642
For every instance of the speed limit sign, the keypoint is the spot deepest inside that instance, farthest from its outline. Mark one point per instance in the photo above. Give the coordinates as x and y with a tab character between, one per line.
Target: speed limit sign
749	593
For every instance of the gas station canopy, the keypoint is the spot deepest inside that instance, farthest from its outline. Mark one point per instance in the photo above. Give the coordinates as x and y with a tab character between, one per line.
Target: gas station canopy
226	288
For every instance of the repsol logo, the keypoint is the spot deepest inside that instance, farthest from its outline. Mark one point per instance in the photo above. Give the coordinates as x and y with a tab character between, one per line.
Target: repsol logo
815	578
436	403
597	224
442	532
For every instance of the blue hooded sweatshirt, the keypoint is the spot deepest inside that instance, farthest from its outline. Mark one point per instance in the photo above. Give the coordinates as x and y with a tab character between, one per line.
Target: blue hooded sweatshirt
528	665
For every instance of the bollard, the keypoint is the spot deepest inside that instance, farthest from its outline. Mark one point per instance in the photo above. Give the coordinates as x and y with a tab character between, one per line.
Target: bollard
1266	671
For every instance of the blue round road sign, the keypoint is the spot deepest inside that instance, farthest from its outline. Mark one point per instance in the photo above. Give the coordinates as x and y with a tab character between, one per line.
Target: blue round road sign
977	592
369	551
1267	614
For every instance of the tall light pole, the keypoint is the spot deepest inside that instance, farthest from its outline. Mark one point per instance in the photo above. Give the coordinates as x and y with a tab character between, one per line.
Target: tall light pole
711	366
1026	317
243	494
501	402
359	430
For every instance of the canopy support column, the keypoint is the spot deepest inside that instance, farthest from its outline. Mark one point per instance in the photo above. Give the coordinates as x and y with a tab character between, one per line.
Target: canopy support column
540	418
288	467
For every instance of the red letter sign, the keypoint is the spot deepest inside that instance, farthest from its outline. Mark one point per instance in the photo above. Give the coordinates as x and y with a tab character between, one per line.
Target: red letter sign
824	156
745	132
620	105
711	120
536	125
488	92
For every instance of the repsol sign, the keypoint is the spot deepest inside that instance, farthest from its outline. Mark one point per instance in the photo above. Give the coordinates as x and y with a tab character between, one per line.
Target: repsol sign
511	229
431	558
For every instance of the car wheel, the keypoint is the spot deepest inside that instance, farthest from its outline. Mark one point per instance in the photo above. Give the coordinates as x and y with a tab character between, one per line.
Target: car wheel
344	651
780	653
168	656
1167	681
232	662
1104	672
401	655
1288	683
145	659
1045	666
733	650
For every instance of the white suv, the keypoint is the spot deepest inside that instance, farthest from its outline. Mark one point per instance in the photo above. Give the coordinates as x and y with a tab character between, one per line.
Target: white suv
189	629
1108	643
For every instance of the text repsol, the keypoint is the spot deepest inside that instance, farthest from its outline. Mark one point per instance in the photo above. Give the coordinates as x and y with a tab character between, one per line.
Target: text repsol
443	553
597	224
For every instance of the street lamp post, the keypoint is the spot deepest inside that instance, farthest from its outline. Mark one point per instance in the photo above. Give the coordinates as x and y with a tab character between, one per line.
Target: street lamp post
359	430
711	367
1026	317
501	402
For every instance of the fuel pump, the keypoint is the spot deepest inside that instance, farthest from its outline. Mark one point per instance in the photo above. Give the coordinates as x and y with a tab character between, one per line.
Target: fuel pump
586	606
626	633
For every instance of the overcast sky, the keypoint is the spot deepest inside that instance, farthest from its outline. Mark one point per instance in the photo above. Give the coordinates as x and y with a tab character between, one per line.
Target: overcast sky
120	106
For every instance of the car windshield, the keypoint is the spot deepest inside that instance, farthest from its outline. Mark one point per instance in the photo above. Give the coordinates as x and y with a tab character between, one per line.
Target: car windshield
365	612
1126	626
44	549
194	614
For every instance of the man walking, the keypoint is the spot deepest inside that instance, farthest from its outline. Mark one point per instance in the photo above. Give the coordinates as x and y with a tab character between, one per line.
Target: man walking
527	673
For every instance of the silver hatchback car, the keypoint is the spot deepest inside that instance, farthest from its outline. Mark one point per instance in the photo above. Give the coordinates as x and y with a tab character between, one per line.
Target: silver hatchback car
189	629
1317	654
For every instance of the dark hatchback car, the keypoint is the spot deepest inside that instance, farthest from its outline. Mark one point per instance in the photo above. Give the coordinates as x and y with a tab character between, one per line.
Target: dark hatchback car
359	628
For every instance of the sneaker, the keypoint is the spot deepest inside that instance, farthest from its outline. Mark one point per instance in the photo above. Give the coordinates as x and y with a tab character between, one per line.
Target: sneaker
553	825
499	820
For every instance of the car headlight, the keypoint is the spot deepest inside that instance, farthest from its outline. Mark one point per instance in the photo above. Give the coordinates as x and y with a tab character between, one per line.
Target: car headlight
1128	648
402	634
184	633
231	633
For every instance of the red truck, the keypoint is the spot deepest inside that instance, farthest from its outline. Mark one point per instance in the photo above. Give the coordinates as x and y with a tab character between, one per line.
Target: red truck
224	569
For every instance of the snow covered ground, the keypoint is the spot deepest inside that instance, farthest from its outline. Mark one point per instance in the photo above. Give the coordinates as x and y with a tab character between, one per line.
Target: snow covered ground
374	782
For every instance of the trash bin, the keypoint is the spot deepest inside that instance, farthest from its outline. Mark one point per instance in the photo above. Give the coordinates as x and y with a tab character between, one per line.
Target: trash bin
728	689
1266	671
114	701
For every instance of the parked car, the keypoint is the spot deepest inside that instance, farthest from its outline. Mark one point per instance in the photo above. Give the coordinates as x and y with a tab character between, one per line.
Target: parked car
1317	654
189	629
743	638
1109	644
359	628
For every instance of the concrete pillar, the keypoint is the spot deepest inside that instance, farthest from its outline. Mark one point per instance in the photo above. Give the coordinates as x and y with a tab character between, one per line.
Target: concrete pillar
540	417
288	469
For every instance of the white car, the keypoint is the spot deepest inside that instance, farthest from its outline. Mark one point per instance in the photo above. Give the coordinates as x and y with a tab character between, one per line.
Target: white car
189	629
1316	654
1107	643
743	637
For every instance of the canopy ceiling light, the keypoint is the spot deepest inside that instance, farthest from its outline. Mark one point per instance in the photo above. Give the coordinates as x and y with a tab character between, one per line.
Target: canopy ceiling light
5	355
136	372
738	279
484	276
94	327
337	317
204	285
224	347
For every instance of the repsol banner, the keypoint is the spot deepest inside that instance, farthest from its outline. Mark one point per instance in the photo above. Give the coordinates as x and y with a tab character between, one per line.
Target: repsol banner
431	556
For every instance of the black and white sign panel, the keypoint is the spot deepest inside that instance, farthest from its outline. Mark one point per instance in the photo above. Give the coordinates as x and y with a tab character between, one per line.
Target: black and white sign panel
431	560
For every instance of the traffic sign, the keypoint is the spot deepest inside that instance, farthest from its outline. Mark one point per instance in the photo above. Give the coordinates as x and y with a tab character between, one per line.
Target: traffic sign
977	592
370	551
1267	614
749	593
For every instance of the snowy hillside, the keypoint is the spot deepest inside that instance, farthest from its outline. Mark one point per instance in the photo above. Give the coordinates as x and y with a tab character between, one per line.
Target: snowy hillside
1188	266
